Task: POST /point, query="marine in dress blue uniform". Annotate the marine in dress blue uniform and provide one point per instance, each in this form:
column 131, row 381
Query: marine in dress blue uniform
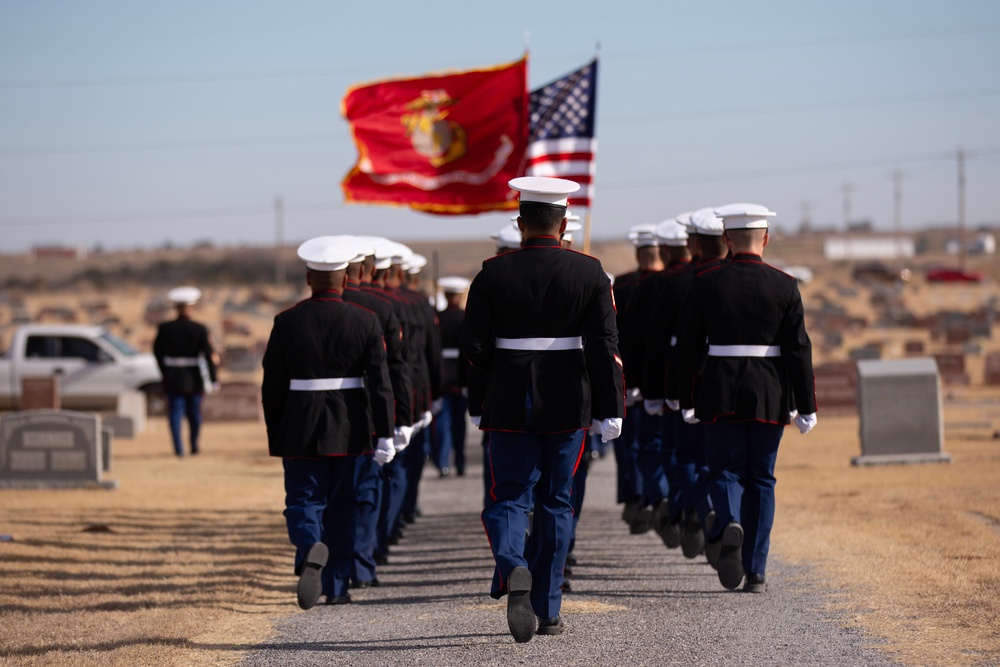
column 449, row 422
column 542, row 343
column 369, row 480
column 744, row 351
column 185, row 356
column 326, row 390
column 626, row 447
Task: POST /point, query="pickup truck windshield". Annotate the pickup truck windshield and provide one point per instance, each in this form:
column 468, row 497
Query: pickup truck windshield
column 120, row 345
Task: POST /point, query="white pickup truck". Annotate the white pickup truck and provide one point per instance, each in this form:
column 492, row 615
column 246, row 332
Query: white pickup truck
column 93, row 366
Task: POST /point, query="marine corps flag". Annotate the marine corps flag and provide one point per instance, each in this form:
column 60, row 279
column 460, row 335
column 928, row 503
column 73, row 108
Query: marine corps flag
column 441, row 144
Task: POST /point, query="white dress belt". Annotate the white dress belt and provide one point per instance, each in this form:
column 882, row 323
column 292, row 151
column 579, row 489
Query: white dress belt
column 180, row 362
column 540, row 344
column 449, row 353
column 326, row 384
column 744, row 351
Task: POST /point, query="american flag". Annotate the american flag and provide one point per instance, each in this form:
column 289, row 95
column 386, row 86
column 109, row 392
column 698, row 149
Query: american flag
column 561, row 139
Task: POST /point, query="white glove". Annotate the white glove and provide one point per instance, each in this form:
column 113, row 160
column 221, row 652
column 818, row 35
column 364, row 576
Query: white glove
column 689, row 417
column 631, row 396
column 805, row 423
column 437, row 406
column 384, row 451
column 653, row 406
column 610, row 428
column 476, row 420
column 401, row 437
column 426, row 419
column 672, row 404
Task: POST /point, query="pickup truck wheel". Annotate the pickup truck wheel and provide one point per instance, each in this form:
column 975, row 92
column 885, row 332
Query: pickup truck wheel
column 156, row 400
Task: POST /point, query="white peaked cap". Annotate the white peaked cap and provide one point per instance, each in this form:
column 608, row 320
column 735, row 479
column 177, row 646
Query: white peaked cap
column 543, row 189
column 643, row 236
column 573, row 227
column 572, row 217
column 366, row 247
column 453, row 284
column 186, row 296
column 744, row 216
column 685, row 220
column 414, row 263
column 508, row 237
column 705, row 222
column 389, row 252
column 328, row 253
column 672, row 233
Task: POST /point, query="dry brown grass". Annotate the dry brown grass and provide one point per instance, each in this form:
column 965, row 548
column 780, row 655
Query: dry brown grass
column 194, row 570
column 911, row 551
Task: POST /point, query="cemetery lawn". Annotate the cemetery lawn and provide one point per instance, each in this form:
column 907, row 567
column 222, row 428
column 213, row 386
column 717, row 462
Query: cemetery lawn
column 188, row 562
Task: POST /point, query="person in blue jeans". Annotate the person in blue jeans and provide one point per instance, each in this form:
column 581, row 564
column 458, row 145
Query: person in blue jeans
column 187, row 365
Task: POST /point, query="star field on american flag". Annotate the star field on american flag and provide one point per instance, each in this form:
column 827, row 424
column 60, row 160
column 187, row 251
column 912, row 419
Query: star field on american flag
column 561, row 139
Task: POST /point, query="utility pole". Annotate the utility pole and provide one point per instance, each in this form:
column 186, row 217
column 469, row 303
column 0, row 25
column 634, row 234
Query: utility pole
column 961, row 209
column 897, row 215
column 279, row 241
column 847, row 219
column 804, row 228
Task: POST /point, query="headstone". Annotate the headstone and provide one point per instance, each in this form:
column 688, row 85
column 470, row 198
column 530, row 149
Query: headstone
column 836, row 388
column 51, row 448
column 233, row 402
column 40, row 393
column 134, row 406
column 107, row 438
column 952, row 369
column 866, row 352
column 991, row 369
column 899, row 402
column 120, row 426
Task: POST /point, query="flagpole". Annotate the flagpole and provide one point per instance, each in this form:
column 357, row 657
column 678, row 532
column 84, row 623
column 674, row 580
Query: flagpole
column 586, row 220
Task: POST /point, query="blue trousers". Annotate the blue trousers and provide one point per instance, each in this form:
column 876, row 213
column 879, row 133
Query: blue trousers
column 626, row 450
column 393, row 493
column 654, row 479
column 692, row 473
column 368, row 483
column 178, row 407
column 741, row 458
column 449, row 431
column 319, row 507
column 413, row 459
column 529, row 469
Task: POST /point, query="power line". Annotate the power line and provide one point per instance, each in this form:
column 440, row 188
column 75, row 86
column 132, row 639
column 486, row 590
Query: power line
column 323, row 207
column 645, row 118
column 750, row 47
column 194, row 145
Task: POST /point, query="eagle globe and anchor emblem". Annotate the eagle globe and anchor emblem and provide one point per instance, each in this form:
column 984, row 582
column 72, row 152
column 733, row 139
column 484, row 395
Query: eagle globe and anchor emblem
column 434, row 136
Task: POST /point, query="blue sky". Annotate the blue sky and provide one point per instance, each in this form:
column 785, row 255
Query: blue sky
column 134, row 124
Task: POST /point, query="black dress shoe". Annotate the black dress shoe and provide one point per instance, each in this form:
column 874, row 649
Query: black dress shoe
column 566, row 587
column 310, row 585
column 755, row 584
column 339, row 599
column 731, row 556
column 520, row 615
column 692, row 536
column 550, row 626
column 642, row 521
column 366, row 583
column 570, row 559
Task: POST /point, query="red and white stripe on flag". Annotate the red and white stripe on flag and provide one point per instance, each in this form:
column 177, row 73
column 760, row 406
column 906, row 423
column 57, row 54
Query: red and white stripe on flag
column 571, row 158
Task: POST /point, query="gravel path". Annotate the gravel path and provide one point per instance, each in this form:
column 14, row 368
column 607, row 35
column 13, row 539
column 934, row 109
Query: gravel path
column 633, row 602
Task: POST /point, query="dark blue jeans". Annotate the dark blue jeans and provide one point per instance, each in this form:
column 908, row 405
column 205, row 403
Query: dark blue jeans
column 178, row 407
